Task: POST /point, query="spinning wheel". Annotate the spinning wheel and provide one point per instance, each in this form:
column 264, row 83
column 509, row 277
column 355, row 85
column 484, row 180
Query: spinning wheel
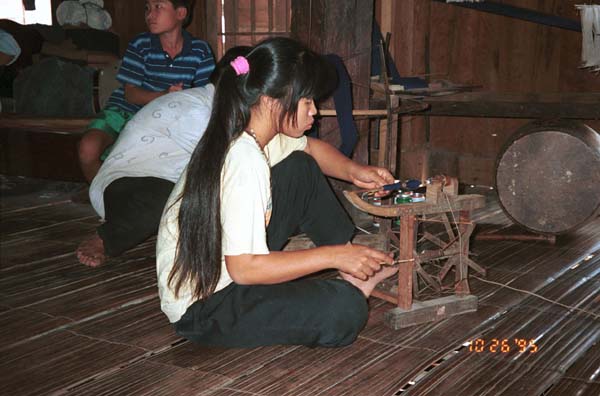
column 451, row 246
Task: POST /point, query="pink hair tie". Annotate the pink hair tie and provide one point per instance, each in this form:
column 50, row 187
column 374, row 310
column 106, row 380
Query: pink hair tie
column 240, row 65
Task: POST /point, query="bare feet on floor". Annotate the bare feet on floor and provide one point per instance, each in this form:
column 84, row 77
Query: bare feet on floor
column 367, row 286
column 91, row 251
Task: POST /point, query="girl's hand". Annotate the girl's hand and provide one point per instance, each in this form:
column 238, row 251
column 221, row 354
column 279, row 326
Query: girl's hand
column 359, row 261
column 366, row 176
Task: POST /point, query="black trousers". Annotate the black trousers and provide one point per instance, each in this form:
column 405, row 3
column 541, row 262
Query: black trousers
column 133, row 207
column 311, row 312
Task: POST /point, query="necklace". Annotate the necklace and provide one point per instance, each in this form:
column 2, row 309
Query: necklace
column 251, row 133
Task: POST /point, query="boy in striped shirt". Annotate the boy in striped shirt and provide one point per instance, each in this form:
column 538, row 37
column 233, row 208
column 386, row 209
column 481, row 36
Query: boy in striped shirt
column 165, row 59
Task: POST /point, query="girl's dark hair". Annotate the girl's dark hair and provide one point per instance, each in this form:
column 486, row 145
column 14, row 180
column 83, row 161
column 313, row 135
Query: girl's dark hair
column 280, row 68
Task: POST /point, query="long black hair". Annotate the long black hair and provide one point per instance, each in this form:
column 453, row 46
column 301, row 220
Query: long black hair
column 280, row 68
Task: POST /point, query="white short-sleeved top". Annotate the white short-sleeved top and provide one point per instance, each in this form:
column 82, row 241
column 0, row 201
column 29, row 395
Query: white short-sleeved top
column 245, row 212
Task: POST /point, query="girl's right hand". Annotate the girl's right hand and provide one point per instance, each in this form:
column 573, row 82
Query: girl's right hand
column 359, row 261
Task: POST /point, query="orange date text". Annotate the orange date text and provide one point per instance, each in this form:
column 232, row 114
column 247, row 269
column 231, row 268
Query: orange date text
column 505, row 345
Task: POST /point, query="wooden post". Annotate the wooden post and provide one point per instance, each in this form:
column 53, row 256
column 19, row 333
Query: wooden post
column 406, row 255
column 387, row 7
column 213, row 26
column 391, row 150
column 462, row 259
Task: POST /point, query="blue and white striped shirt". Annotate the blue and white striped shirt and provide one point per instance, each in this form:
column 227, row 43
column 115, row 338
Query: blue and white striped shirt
column 148, row 66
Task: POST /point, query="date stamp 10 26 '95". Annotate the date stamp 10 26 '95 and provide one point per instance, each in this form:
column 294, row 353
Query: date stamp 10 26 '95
column 497, row 345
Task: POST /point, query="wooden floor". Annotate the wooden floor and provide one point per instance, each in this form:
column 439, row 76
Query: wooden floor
column 68, row 329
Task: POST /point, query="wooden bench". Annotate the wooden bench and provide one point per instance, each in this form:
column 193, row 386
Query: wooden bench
column 41, row 147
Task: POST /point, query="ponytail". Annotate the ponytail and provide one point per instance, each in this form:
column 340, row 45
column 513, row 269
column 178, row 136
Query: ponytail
column 199, row 220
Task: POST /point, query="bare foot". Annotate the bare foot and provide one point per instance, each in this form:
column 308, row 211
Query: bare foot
column 91, row 251
column 368, row 285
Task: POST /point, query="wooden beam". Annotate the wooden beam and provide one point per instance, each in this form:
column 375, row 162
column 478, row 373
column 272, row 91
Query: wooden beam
column 525, row 14
column 460, row 202
column 584, row 106
column 408, row 108
column 371, row 113
column 75, row 126
column 431, row 310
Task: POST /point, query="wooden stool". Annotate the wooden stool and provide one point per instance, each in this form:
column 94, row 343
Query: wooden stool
column 441, row 198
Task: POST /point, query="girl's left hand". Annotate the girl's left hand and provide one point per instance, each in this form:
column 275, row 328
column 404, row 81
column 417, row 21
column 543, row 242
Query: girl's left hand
column 371, row 177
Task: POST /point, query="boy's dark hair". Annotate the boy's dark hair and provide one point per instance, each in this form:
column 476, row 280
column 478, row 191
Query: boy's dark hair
column 188, row 5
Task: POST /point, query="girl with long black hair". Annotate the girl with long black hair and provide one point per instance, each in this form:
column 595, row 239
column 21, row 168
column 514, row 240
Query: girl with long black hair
column 253, row 180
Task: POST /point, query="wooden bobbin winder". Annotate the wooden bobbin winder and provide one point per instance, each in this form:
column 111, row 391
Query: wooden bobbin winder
column 443, row 224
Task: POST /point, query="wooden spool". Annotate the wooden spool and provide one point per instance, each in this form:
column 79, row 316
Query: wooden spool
column 548, row 176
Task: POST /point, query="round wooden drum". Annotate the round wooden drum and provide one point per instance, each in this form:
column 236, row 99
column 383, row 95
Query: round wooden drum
column 548, row 176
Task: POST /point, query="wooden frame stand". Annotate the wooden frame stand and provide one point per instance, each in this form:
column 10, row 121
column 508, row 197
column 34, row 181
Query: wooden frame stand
column 441, row 199
column 430, row 310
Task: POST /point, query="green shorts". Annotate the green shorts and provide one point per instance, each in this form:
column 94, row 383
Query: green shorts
column 111, row 120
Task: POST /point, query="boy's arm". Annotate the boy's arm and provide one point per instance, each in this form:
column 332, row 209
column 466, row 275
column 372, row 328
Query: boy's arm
column 132, row 71
column 141, row 96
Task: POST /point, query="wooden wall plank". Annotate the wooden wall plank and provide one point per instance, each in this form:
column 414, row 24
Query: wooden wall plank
column 342, row 28
column 127, row 19
column 499, row 53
